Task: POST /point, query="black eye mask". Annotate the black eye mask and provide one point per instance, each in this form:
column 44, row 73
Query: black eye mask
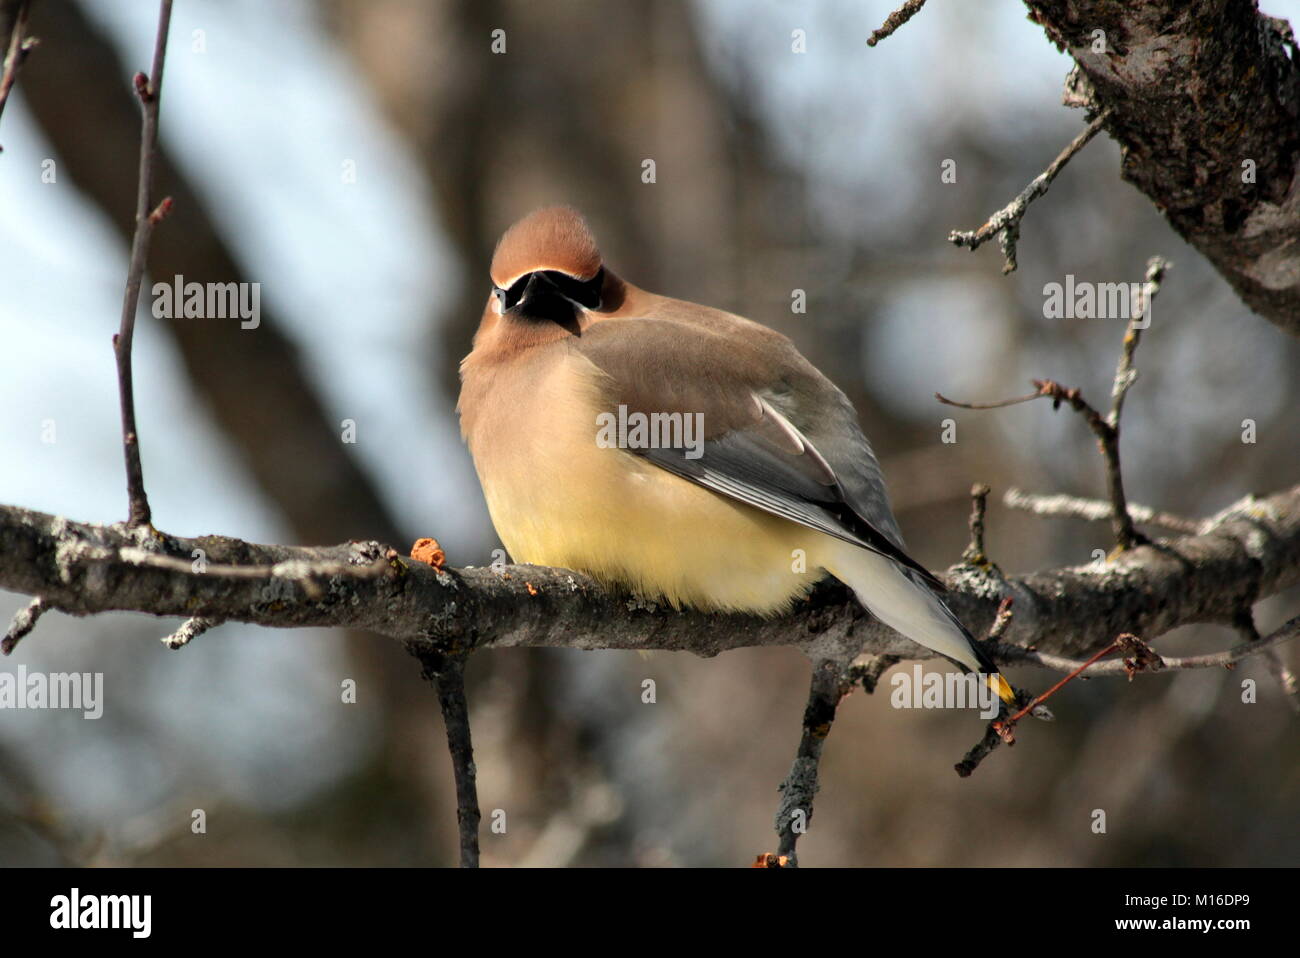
column 586, row 293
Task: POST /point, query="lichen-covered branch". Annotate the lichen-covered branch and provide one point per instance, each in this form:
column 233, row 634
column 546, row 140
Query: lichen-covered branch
column 1005, row 223
column 1250, row 552
column 1095, row 510
column 895, row 20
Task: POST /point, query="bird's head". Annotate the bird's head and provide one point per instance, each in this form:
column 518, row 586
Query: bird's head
column 547, row 266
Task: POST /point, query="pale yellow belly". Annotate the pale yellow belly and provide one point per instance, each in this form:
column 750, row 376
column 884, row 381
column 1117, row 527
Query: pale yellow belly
column 558, row 499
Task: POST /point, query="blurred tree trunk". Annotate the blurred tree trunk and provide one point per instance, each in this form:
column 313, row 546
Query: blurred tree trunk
column 252, row 381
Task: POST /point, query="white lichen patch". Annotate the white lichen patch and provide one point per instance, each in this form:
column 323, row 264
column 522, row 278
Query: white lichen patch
column 71, row 553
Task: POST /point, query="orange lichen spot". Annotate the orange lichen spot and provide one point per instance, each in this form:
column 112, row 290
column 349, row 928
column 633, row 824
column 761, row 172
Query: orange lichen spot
column 532, row 589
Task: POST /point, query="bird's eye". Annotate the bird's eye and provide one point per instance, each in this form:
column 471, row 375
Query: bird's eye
column 509, row 298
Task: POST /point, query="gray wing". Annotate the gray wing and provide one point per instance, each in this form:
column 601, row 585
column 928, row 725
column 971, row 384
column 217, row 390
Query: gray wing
column 772, row 466
column 751, row 450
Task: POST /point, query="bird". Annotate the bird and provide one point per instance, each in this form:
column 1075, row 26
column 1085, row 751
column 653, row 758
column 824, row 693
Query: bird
column 684, row 453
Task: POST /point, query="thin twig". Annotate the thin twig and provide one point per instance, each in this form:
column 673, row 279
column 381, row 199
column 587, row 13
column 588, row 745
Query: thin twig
column 1286, row 678
column 1137, row 657
column 895, row 20
column 16, row 51
column 447, row 673
column 1125, row 374
column 1096, row 510
column 149, row 91
column 1005, row 223
column 1001, row 621
column 999, row 404
column 1126, row 535
column 867, row 670
column 979, row 752
column 974, row 554
column 1224, row 659
column 991, row 739
column 827, row 688
column 191, row 629
column 1140, row 658
column 1105, row 428
column 24, row 621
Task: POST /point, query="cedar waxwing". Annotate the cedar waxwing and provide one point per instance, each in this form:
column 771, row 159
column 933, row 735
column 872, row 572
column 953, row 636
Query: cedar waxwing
column 680, row 451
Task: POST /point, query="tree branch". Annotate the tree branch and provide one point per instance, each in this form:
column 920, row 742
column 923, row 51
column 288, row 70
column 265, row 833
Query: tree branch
column 1105, row 428
column 149, row 91
column 974, row 554
column 1220, row 660
column 1005, row 223
column 1203, row 98
column 14, row 12
column 82, row 569
column 895, row 20
column 1095, row 510
column 447, row 673
column 829, row 684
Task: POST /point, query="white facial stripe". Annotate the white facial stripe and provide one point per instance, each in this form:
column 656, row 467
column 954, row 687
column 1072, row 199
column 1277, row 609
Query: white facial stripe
column 542, row 269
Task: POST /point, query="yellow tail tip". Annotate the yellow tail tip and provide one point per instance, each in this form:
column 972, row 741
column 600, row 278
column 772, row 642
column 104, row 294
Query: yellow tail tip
column 1000, row 685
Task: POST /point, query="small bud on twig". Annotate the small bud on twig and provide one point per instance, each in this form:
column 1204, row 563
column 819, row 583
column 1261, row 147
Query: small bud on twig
column 142, row 89
column 160, row 211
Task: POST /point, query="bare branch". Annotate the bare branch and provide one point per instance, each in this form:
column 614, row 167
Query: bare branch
column 447, row 673
column 1286, row 678
column 1126, row 536
column 895, row 20
column 1005, row 223
column 1139, row 319
column 17, row 49
column 980, row 751
column 998, row 404
column 974, row 554
column 84, row 569
column 149, row 91
column 830, row 683
column 1096, row 510
column 24, row 621
column 1138, row 657
column 1213, row 660
column 191, row 630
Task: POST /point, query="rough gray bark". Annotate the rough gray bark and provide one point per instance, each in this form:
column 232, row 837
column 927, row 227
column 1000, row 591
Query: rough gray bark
column 1199, row 89
column 1249, row 552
